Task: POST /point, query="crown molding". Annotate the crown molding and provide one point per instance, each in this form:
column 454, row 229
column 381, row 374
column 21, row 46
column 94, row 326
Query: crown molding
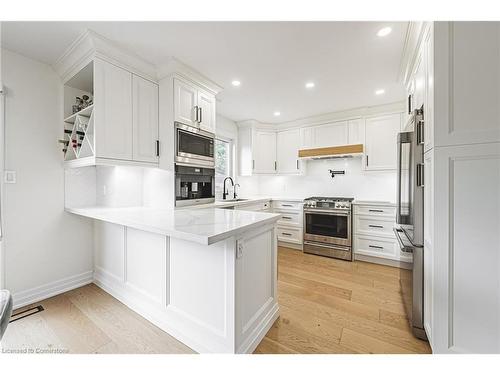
column 90, row 45
column 176, row 67
column 344, row 115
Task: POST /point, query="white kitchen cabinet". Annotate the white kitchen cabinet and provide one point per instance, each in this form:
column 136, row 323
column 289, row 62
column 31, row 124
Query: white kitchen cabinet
column 206, row 104
column 287, row 149
column 356, row 131
column 290, row 224
column 113, row 114
column 145, row 120
column 428, row 242
column 185, row 99
column 326, row 135
column 373, row 238
column 428, row 56
column 264, row 152
column 194, row 106
column 381, row 142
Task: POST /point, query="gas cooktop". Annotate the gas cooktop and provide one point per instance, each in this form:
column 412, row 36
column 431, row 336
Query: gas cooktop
column 328, row 203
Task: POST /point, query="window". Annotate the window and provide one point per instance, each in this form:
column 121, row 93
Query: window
column 223, row 164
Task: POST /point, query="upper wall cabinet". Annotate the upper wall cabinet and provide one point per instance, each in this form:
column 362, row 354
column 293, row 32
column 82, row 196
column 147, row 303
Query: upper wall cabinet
column 194, row 106
column 356, row 131
column 121, row 125
column 264, row 150
column 327, row 135
column 113, row 117
column 381, row 141
column 145, row 120
column 287, row 149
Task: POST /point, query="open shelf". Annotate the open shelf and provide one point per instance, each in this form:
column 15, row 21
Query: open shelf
column 84, row 112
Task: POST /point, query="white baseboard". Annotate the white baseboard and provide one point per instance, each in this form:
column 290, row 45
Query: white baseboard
column 39, row 293
column 290, row 245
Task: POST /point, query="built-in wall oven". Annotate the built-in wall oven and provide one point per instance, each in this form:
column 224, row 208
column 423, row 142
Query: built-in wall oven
column 409, row 229
column 193, row 146
column 194, row 185
column 328, row 227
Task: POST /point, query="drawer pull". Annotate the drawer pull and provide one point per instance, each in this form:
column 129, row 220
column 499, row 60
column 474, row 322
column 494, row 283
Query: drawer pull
column 376, row 210
column 287, row 205
column 286, row 234
column 286, row 217
column 375, row 226
column 375, row 247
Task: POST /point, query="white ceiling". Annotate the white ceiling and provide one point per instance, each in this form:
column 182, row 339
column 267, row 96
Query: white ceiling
column 273, row 60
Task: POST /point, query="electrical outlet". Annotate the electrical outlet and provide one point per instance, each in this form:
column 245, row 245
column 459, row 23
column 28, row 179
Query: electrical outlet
column 9, row 177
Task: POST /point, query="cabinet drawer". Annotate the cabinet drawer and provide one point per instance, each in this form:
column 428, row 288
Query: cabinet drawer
column 373, row 225
column 289, row 218
column 288, row 205
column 376, row 247
column 287, row 234
column 388, row 211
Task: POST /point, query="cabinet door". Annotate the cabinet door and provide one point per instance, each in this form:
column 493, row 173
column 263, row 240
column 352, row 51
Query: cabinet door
column 419, row 82
column 185, row 98
column 113, row 113
column 333, row 134
column 381, row 142
column 145, row 119
column 287, row 148
column 428, row 242
column 429, row 91
column 206, row 103
column 307, row 137
column 245, row 154
column 264, row 152
column 356, row 133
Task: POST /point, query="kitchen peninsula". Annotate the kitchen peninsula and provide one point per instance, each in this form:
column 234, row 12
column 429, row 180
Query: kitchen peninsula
column 207, row 277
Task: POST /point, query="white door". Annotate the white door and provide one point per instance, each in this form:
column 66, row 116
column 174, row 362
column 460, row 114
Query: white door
column 185, row 97
column 206, row 103
column 145, row 120
column 333, row 134
column 381, row 139
column 287, row 148
column 356, row 132
column 264, row 152
column 113, row 111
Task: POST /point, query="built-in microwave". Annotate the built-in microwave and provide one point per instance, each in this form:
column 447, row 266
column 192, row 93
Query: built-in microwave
column 193, row 146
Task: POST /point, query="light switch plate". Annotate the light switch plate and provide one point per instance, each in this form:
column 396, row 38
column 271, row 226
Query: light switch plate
column 9, row 177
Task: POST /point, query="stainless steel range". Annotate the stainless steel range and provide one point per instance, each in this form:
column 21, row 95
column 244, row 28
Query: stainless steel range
column 328, row 227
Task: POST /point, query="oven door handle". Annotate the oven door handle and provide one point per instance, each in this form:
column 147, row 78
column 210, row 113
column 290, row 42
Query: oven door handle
column 404, row 248
column 328, row 212
column 327, row 246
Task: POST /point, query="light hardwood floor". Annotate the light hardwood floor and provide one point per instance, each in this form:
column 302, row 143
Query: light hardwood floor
column 326, row 306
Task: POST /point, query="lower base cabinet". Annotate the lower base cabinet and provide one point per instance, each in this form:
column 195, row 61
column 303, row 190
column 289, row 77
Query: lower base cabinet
column 219, row 298
column 290, row 224
column 374, row 239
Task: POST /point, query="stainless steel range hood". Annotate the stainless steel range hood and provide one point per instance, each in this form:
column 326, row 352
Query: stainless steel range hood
column 334, row 152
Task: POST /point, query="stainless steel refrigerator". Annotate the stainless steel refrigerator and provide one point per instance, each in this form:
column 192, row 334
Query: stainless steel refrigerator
column 410, row 219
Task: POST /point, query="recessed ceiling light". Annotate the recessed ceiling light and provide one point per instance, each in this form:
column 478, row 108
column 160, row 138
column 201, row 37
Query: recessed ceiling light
column 380, row 92
column 384, row 31
column 277, row 113
column 310, row 85
column 236, row 83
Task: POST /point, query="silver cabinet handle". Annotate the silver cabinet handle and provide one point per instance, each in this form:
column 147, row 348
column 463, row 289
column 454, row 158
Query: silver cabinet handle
column 195, row 113
column 201, row 114
column 286, row 234
column 420, row 175
column 297, row 164
column 253, row 164
column 286, row 217
column 375, row 247
column 367, row 160
column 376, row 210
column 286, row 205
column 157, row 147
column 275, row 165
column 375, row 226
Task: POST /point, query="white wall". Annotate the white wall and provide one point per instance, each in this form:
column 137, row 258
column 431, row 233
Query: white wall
column 43, row 244
column 356, row 183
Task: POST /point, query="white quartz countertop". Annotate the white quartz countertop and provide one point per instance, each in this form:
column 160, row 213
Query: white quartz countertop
column 374, row 203
column 242, row 202
column 201, row 226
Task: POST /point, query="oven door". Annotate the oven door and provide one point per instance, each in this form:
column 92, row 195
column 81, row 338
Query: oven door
column 194, row 146
column 327, row 226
